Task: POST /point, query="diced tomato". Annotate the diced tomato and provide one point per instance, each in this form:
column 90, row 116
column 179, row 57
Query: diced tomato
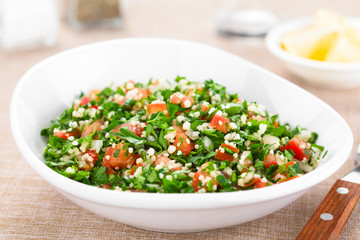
column 156, row 82
column 61, row 134
column 300, row 148
column 253, row 181
column 137, row 129
column 270, row 160
column 84, row 100
column 156, row 107
column 142, row 94
column 190, row 91
column 122, row 160
column 176, row 98
column 182, row 142
column 122, row 101
column 259, row 184
column 92, row 153
column 133, row 168
column 66, row 135
column 89, row 129
column 196, row 181
column 234, row 149
column 137, row 94
column 92, row 94
column 204, row 108
column 161, row 158
column 175, row 169
column 186, row 100
column 220, row 123
column 110, row 171
column 95, row 107
column 222, row 156
column 287, row 179
column 90, row 156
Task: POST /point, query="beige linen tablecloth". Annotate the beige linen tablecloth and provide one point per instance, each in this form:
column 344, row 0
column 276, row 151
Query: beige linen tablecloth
column 31, row 208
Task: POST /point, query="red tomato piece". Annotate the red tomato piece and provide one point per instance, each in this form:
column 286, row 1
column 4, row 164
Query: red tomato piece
column 156, row 82
column 161, row 158
column 182, row 142
column 276, row 124
column 122, row 157
column 222, row 156
column 84, row 100
column 220, row 123
column 65, row 135
column 270, row 160
column 156, row 107
column 176, row 98
column 204, row 108
column 92, row 153
column 92, row 94
column 260, row 184
column 110, row 171
column 122, row 101
column 234, row 149
column 89, row 129
column 187, row 101
column 61, row 134
column 300, row 148
column 133, row 168
column 252, row 182
column 175, row 169
column 137, row 94
column 197, row 181
column 137, row 129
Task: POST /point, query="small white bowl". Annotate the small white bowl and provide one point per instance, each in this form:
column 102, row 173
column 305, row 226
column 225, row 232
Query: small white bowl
column 55, row 82
column 327, row 74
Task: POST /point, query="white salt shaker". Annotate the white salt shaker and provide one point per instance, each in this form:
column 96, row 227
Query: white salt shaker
column 28, row 24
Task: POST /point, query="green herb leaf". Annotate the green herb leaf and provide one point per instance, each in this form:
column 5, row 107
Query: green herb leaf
column 99, row 175
column 270, row 172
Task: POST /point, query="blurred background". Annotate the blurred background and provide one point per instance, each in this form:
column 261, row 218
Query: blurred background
column 35, row 29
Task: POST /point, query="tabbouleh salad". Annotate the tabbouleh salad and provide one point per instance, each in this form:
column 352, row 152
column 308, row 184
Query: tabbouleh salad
column 181, row 138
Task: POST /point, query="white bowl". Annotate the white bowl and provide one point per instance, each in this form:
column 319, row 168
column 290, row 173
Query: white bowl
column 328, row 74
column 55, row 81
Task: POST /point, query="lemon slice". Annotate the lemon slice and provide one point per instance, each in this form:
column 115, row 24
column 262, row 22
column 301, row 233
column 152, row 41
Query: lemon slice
column 329, row 39
column 311, row 42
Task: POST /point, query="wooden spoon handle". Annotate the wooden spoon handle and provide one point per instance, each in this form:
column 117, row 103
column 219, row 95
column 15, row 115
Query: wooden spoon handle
column 330, row 217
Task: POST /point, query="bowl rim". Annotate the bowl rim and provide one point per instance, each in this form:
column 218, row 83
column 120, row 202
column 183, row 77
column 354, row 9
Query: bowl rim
column 170, row 201
column 273, row 38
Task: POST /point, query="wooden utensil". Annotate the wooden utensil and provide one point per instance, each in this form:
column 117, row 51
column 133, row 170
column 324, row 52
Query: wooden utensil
column 330, row 217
